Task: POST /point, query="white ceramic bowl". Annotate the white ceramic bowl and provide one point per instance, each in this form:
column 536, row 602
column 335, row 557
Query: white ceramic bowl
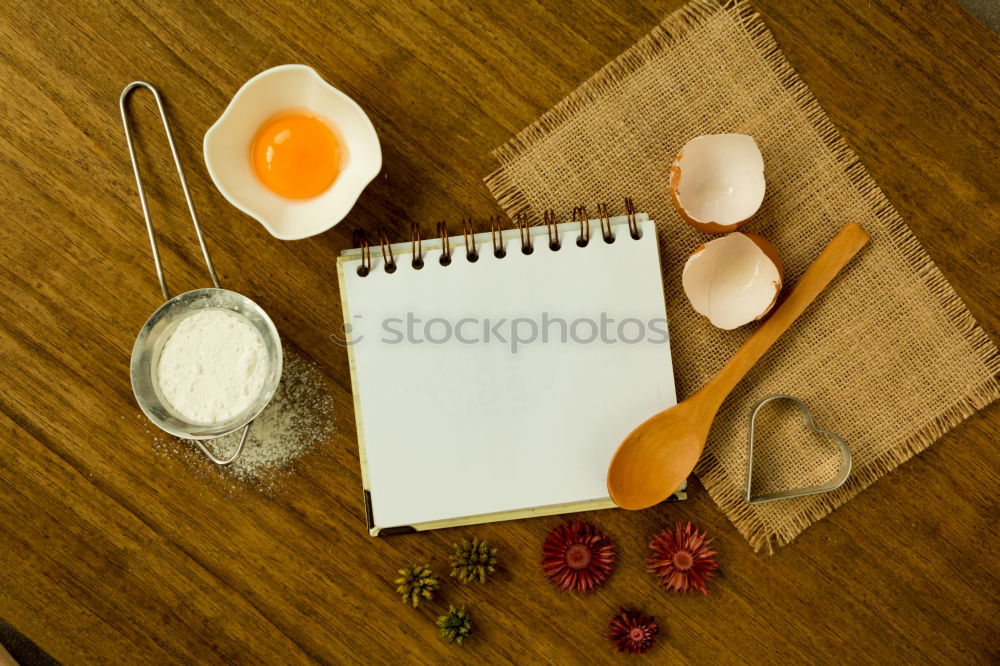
column 270, row 93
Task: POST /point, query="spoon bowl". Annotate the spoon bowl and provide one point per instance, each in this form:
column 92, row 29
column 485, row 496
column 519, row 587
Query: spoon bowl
column 682, row 430
column 659, row 455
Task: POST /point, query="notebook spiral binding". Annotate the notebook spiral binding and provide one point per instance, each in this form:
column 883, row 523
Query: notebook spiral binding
column 521, row 223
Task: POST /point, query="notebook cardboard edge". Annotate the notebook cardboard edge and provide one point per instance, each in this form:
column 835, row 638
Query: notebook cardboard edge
column 517, row 514
column 362, row 458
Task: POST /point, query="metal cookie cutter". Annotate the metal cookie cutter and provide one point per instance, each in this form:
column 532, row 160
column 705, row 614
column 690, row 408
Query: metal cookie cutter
column 836, row 482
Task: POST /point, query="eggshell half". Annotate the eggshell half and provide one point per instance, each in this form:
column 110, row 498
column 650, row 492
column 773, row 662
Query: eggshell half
column 717, row 181
column 733, row 280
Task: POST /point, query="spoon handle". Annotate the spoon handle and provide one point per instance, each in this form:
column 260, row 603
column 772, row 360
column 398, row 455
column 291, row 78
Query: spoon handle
column 848, row 241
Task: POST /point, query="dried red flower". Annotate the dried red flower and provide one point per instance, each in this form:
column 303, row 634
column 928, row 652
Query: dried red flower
column 682, row 559
column 632, row 632
column 577, row 556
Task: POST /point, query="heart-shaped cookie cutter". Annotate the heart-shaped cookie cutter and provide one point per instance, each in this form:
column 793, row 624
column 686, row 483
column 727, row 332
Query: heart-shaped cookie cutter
column 838, row 480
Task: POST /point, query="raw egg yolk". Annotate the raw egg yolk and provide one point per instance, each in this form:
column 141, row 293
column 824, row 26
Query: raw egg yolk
column 296, row 156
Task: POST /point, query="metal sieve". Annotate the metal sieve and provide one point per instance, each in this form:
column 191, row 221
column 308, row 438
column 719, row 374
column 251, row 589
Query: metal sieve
column 159, row 326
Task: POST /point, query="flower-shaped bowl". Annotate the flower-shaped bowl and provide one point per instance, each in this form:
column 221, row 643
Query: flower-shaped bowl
column 290, row 89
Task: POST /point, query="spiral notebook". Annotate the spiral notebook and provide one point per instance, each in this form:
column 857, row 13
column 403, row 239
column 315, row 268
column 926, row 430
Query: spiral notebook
column 495, row 373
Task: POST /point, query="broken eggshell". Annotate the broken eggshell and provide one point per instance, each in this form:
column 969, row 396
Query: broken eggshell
column 733, row 280
column 717, row 181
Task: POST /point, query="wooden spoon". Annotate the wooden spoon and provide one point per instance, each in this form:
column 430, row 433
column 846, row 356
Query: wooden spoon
column 656, row 458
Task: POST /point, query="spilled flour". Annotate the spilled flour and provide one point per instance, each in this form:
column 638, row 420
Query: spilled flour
column 298, row 418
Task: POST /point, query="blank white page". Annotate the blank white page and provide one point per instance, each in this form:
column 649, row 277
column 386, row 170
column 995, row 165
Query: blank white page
column 455, row 419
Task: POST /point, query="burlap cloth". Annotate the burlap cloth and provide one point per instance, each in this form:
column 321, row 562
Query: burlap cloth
column 888, row 356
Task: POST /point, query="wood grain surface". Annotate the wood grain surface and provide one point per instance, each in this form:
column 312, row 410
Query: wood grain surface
column 114, row 553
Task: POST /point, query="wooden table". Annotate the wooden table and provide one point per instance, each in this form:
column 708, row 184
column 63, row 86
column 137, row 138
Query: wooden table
column 112, row 552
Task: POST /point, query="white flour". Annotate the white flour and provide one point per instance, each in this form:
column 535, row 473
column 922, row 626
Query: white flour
column 212, row 366
column 299, row 417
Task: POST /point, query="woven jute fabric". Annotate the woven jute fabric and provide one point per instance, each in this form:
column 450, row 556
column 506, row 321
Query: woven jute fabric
column 888, row 356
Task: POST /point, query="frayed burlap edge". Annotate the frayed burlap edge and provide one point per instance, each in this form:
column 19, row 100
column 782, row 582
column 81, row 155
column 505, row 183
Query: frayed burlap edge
column 507, row 193
column 726, row 492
